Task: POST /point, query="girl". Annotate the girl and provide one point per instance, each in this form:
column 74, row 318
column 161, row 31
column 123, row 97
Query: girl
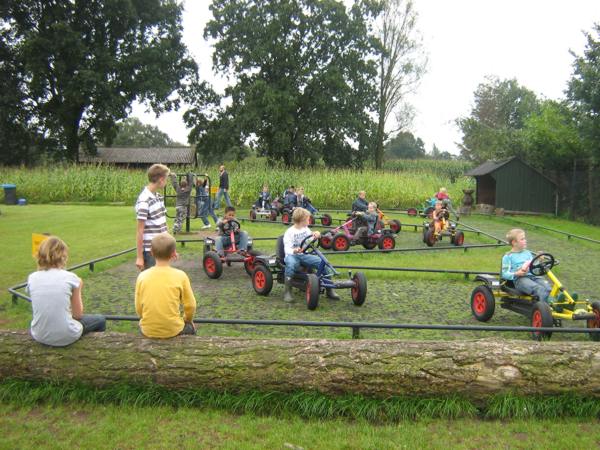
column 58, row 318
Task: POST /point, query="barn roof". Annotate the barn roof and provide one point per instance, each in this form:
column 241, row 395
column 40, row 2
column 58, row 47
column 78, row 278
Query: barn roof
column 137, row 155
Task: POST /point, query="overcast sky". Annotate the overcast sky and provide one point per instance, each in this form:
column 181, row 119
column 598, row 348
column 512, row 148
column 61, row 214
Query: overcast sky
column 465, row 40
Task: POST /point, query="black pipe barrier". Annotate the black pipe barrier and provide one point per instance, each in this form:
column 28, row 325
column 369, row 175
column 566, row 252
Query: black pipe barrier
column 569, row 235
column 416, row 249
column 478, row 231
column 466, row 273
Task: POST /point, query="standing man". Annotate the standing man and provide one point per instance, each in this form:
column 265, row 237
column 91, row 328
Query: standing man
column 151, row 215
column 223, row 187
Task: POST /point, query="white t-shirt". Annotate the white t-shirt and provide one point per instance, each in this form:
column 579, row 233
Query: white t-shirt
column 50, row 291
column 293, row 237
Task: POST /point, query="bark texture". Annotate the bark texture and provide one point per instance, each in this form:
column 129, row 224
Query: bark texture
column 380, row 368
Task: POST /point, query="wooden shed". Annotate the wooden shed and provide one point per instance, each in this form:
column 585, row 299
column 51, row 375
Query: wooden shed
column 142, row 156
column 514, row 186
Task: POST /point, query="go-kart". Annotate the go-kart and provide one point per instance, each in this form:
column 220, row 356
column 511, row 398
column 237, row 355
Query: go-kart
column 448, row 228
column 286, row 217
column 212, row 262
column 347, row 234
column 313, row 283
column 263, row 211
column 541, row 314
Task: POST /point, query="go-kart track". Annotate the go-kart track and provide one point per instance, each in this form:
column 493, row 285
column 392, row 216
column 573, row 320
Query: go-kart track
column 402, row 291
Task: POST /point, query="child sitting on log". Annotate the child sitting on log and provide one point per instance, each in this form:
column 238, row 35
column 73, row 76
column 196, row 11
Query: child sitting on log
column 56, row 299
column 159, row 292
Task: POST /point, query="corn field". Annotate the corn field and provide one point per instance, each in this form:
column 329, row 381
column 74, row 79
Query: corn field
column 405, row 184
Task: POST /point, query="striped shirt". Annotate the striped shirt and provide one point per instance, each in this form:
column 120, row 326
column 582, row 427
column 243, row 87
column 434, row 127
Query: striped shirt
column 150, row 208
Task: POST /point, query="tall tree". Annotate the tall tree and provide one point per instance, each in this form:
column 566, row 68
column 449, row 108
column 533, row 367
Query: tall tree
column 302, row 76
column 86, row 61
column 492, row 131
column 401, row 65
column 405, row 145
column 133, row 133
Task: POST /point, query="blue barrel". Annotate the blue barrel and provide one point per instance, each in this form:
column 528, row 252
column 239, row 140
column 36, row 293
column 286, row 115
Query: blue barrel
column 10, row 194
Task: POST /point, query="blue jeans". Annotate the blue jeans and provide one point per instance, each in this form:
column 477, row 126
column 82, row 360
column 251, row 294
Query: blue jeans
column 310, row 208
column 293, row 262
column 534, row 286
column 203, row 209
column 222, row 193
column 241, row 242
column 149, row 260
column 92, row 322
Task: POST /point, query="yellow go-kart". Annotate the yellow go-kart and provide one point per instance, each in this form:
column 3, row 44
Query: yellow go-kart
column 447, row 228
column 541, row 314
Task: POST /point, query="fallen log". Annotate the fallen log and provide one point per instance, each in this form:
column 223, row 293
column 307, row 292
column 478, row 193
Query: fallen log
column 474, row 369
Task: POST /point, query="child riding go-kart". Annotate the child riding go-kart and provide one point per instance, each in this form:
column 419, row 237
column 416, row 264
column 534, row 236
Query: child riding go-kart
column 440, row 226
column 541, row 314
column 212, row 262
column 313, row 284
column 263, row 211
column 355, row 231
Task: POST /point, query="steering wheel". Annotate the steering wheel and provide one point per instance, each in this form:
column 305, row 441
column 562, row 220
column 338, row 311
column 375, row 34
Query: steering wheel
column 309, row 243
column 231, row 225
column 541, row 264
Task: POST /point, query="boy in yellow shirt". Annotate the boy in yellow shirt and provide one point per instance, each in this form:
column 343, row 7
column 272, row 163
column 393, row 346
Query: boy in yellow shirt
column 159, row 292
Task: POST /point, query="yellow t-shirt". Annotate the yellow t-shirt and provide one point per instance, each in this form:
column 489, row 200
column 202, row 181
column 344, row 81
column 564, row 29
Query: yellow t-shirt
column 159, row 291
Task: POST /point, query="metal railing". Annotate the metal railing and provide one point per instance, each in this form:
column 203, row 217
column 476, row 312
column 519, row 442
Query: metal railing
column 541, row 227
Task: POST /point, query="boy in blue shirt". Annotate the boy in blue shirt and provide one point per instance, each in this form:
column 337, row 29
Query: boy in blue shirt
column 515, row 267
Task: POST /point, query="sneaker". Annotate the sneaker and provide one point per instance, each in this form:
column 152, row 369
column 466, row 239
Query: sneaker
column 204, row 227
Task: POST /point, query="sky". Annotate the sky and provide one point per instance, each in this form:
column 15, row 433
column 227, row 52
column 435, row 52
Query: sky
column 465, row 41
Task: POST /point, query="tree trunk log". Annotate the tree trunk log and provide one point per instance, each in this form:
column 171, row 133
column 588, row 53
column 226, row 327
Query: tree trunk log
column 378, row 368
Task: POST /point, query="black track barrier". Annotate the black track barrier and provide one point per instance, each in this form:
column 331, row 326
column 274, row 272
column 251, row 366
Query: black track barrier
column 541, row 227
column 466, row 273
column 413, row 249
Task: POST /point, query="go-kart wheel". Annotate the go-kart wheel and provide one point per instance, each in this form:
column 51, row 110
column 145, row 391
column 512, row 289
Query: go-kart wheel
column 541, row 316
column 359, row 290
column 273, row 215
column 458, row 239
column 325, row 241
column 541, row 264
column 262, row 280
column 369, row 244
column 412, row 212
column 312, row 291
column 285, row 217
column 386, row 242
column 595, row 323
column 326, row 220
column 340, row 242
column 395, row 226
column 213, row 267
column 252, row 215
column 483, row 303
column 311, row 220
column 430, row 237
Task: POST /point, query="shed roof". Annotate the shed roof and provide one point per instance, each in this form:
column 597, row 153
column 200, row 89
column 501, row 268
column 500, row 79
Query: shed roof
column 147, row 155
column 486, row 167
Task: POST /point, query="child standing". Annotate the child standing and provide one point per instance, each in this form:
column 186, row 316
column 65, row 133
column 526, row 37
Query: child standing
column 203, row 205
column 161, row 290
column 515, row 267
column 224, row 239
column 182, row 202
column 56, row 300
column 294, row 257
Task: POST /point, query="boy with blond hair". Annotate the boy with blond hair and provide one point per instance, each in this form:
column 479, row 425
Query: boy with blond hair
column 294, row 258
column 151, row 215
column 161, row 290
column 515, row 267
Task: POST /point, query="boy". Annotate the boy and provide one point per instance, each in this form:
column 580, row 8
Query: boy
column 224, row 239
column 304, row 202
column 264, row 198
column 151, row 215
column 515, row 267
column 290, row 199
column 371, row 217
column 184, row 190
column 159, row 292
column 294, row 257
column 438, row 215
column 360, row 204
column 223, row 188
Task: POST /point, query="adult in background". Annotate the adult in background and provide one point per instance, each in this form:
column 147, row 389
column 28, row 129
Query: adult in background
column 223, row 188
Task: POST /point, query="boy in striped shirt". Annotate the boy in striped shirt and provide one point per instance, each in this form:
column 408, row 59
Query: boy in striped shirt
column 151, row 215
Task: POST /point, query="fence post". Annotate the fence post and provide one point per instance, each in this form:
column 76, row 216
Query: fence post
column 91, row 267
column 355, row 332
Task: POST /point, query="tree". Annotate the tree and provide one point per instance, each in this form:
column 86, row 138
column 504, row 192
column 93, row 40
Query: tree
column 133, row 133
column 401, row 65
column 302, row 87
column 85, row 62
column 492, row 131
column 436, row 153
column 405, row 145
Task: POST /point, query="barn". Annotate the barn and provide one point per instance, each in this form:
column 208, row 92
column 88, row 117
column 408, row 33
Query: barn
column 142, row 156
column 515, row 186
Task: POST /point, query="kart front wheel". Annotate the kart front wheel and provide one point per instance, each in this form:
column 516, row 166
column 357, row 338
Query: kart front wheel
column 458, row 239
column 359, row 290
column 483, row 303
column 252, row 215
column 395, row 226
column 541, row 316
column 412, row 212
column 326, row 220
column 386, row 242
column 285, row 218
column 312, row 291
column 250, row 263
column 213, row 267
column 430, row 238
column 595, row 323
column 326, row 241
column 341, row 243
column 273, row 215
column 262, row 280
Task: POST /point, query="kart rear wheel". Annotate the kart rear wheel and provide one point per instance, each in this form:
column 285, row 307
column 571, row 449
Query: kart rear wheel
column 213, row 267
column 273, row 215
column 483, row 303
column 312, row 291
column 311, row 220
column 252, row 215
column 595, row 323
column 458, row 239
column 541, row 316
column 386, row 242
column 340, row 242
column 359, row 290
column 395, row 226
column 262, row 280
column 326, row 241
column 430, row 238
column 326, row 220
column 285, row 217
column 412, row 212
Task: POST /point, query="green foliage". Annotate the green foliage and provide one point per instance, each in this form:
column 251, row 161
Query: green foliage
column 133, row 133
column 84, row 63
column 405, row 145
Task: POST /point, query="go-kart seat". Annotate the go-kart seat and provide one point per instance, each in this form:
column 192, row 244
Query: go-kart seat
column 508, row 286
column 280, row 251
